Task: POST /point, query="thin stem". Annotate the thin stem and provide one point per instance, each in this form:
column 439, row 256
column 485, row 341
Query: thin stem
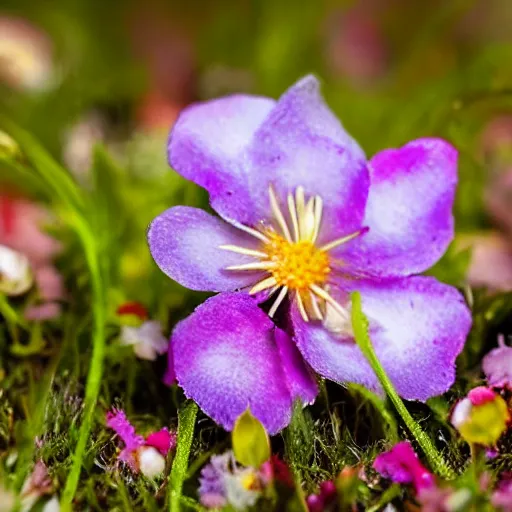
column 360, row 326
column 60, row 184
column 186, row 422
column 94, row 376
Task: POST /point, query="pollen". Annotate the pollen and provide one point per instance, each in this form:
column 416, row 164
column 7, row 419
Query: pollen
column 298, row 264
column 288, row 257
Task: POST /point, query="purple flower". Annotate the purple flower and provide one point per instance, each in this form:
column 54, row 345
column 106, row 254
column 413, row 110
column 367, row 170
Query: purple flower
column 497, row 366
column 305, row 220
column 223, row 482
column 402, row 466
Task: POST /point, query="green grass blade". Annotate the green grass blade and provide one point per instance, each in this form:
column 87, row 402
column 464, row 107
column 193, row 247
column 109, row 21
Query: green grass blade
column 60, row 186
column 360, row 326
column 186, row 423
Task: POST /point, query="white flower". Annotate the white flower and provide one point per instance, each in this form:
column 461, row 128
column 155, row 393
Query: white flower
column 26, row 60
column 151, row 461
column 79, row 143
column 239, row 488
column 52, row 505
column 147, row 340
column 15, row 273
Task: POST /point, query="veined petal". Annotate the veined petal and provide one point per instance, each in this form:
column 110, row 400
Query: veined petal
column 418, row 326
column 185, row 243
column 409, row 210
column 226, row 359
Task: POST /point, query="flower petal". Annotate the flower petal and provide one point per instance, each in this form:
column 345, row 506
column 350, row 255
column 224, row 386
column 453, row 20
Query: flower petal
column 302, row 143
column 497, row 366
column 303, row 107
column 409, row 210
column 236, row 147
column 402, row 465
column 207, row 145
column 184, row 243
column 417, row 325
column 301, row 382
column 226, row 359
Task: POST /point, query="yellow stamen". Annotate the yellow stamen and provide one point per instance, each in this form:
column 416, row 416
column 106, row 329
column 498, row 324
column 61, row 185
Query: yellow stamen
column 320, row 292
column 278, row 214
column 299, row 264
column 263, row 265
column 293, row 216
column 300, row 305
column 277, row 302
column 294, row 264
column 340, row 241
column 269, row 282
column 243, row 250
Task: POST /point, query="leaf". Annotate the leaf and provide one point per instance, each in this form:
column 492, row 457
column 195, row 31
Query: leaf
column 250, row 440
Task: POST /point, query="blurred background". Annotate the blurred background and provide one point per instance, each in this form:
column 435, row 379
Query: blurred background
column 100, row 84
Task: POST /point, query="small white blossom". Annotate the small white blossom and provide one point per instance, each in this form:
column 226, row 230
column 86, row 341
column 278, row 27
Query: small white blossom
column 15, row 273
column 147, row 340
column 151, row 461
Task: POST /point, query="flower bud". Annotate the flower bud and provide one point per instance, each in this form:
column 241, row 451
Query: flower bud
column 481, row 417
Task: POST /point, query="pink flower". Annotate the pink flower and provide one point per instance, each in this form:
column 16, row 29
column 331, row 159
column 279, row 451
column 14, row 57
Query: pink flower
column 144, row 455
column 491, row 261
column 41, row 312
column 146, row 337
column 401, row 465
column 163, row 441
column 356, row 47
column 497, row 366
column 327, row 495
column 21, row 229
column 502, row 496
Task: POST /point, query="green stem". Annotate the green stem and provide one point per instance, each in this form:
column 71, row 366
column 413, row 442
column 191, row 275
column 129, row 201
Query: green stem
column 94, row 376
column 61, row 185
column 186, row 422
column 360, row 326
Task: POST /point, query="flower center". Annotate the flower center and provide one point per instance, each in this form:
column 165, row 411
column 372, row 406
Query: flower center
column 291, row 258
column 298, row 264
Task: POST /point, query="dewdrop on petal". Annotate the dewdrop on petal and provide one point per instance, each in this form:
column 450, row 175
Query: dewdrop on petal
column 481, row 417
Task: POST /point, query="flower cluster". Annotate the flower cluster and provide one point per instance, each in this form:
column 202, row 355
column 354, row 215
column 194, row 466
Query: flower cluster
column 305, row 219
column 146, row 455
column 402, row 466
column 224, row 482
